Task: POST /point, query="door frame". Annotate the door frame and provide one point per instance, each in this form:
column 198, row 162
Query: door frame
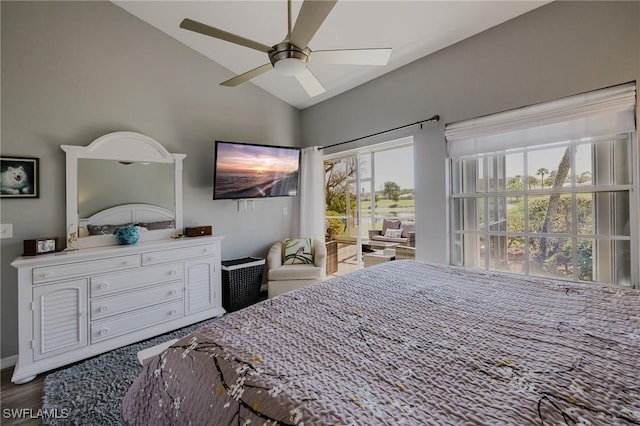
column 357, row 153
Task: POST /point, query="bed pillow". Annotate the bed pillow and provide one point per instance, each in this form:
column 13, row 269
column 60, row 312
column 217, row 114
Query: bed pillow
column 393, row 233
column 151, row 226
column 297, row 251
column 105, row 229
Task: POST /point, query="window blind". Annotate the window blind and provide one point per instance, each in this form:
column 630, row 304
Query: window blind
column 597, row 113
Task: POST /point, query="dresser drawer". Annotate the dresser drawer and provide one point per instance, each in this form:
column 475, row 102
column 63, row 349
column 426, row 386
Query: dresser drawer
column 106, row 329
column 107, row 284
column 129, row 301
column 52, row 273
column 153, row 257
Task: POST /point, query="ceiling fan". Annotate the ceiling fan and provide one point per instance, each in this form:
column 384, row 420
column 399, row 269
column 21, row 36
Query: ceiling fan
column 290, row 56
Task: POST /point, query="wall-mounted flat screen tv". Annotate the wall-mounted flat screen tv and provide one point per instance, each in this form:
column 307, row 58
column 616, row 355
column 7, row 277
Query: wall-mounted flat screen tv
column 244, row 170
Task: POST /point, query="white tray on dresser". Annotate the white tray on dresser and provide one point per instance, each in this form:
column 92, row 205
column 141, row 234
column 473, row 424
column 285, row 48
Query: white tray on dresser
column 77, row 304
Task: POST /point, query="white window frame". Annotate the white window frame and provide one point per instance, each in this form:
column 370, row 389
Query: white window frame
column 609, row 111
column 486, row 196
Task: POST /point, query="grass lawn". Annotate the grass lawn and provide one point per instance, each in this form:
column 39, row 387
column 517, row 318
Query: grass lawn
column 381, row 204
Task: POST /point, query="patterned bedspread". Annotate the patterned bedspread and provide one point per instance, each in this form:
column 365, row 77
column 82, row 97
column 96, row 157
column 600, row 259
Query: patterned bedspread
column 407, row 343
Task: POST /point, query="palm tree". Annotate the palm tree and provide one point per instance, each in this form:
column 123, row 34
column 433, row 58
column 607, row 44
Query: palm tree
column 554, row 202
column 541, row 172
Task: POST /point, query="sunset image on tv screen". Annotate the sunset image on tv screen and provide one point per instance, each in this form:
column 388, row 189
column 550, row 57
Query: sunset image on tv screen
column 251, row 171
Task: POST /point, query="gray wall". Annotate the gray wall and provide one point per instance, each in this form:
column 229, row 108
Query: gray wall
column 73, row 71
column 557, row 50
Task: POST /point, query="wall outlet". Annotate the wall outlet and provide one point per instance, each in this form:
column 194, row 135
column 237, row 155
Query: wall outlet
column 285, row 211
column 6, row 230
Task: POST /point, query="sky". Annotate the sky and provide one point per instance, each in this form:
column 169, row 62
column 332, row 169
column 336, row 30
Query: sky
column 395, row 165
column 549, row 159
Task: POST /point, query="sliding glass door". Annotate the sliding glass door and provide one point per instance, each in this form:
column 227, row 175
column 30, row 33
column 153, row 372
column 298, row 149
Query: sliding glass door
column 341, row 209
column 363, row 187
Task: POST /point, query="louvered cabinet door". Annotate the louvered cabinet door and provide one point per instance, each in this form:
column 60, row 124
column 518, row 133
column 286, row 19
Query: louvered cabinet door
column 59, row 318
column 200, row 284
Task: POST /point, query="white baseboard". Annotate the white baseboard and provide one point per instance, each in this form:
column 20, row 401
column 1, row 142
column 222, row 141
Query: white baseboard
column 8, row 362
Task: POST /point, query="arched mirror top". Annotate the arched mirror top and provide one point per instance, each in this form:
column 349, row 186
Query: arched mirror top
column 119, row 179
column 123, row 146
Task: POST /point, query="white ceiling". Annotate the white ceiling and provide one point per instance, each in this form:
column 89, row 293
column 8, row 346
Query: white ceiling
column 413, row 29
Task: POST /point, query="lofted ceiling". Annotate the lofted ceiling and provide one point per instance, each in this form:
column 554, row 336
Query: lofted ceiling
column 413, row 29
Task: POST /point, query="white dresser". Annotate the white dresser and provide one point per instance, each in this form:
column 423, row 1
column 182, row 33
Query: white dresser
column 77, row 304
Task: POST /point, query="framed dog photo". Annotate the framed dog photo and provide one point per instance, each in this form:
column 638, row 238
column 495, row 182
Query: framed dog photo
column 19, row 177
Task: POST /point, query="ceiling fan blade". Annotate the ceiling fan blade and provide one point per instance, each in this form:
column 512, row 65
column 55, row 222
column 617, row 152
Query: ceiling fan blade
column 198, row 27
column 351, row 56
column 239, row 79
column 312, row 15
column 310, row 83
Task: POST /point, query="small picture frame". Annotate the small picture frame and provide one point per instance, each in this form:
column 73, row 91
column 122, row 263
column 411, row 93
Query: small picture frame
column 19, row 177
column 39, row 246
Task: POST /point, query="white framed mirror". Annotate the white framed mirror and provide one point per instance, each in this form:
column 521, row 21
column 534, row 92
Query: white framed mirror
column 121, row 179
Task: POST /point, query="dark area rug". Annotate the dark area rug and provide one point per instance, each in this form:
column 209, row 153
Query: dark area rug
column 92, row 390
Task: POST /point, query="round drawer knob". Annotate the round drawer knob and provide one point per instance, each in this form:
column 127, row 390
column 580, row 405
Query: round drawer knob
column 173, row 312
column 104, row 285
column 104, row 331
column 104, row 308
column 173, row 272
column 173, row 292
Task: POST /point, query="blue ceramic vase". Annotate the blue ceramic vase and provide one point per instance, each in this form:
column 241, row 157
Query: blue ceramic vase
column 128, row 235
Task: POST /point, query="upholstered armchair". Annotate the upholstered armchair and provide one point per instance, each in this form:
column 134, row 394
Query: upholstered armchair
column 284, row 275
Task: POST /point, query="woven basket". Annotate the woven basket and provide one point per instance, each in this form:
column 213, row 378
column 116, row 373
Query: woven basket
column 241, row 281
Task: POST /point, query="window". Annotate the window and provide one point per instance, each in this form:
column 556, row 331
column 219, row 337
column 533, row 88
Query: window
column 556, row 208
column 362, row 187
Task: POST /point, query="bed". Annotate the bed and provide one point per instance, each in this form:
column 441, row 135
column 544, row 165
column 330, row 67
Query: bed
column 406, row 342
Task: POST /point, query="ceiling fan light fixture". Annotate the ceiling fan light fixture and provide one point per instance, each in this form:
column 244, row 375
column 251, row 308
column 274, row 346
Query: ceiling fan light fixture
column 290, row 66
column 288, row 59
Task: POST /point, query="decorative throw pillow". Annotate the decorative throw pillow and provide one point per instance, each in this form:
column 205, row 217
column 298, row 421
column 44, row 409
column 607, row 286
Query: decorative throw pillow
column 390, row 224
column 393, row 233
column 104, row 229
column 297, row 250
column 151, row 226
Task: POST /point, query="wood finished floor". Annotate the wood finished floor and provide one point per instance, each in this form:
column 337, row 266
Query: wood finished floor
column 12, row 396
